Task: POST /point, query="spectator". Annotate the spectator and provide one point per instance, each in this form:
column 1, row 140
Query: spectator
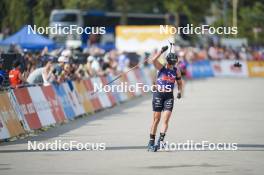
column 47, row 74
column 57, row 71
column 66, row 53
column 31, row 64
column 13, row 48
column 93, row 66
column 71, row 67
column 15, row 76
column 212, row 52
column 109, row 64
column 123, row 62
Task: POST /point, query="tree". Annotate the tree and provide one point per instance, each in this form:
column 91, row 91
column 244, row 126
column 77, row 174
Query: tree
column 194, row 10
column 251, row 18
column 16, row 14
column 84, row 4
column 43, row 9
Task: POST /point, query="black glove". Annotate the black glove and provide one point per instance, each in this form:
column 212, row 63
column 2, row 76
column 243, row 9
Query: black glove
column 179, row 95
column 164, row 48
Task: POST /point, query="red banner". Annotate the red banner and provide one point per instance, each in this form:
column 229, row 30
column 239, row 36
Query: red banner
column 54, row 103
column 27, row 108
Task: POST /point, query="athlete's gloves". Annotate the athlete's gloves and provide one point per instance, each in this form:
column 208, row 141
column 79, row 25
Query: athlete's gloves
column 164, row 48
column 179, row 95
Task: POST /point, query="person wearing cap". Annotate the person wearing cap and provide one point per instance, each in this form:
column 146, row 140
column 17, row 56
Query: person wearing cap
column 57, row 71
column 93, row 66
column 163, row 98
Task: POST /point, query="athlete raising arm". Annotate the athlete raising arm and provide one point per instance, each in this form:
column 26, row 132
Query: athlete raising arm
column 163, row 98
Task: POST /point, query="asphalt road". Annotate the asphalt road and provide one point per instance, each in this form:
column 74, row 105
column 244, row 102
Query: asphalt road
column 214, row 110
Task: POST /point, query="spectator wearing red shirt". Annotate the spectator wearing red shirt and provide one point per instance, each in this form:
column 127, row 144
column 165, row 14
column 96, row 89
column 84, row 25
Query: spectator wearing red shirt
column 15, row 76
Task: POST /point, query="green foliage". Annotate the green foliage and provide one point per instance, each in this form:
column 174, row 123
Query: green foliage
column 84, row 4
column 16, row 14
column 42, row 12
column 195, row 10
column 249, row 18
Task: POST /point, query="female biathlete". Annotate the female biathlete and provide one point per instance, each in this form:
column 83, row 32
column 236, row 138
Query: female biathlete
column 163, row 98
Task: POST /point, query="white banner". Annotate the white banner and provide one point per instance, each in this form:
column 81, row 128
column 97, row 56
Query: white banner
column 226, row 68
column 41, row 105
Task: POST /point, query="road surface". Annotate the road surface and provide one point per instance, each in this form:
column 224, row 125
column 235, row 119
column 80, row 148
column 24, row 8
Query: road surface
column 214, row 110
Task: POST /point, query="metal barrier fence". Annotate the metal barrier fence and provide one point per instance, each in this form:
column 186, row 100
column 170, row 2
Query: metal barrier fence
column 29, row 108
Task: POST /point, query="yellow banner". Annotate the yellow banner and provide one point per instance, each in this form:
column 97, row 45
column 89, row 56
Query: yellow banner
column 84, row 96
column 142, row 38
column 256, row 68
column 7, row 113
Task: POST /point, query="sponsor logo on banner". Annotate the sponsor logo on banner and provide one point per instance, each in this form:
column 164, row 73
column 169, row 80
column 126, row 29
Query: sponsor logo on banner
column 256, row 68
column 64, row 101
column 200, row 69
column 229, row 70
column 141, row 38
column 73, row 98
column 217, row 68
column 41, row 105
column 27, row 108
column 54, row 103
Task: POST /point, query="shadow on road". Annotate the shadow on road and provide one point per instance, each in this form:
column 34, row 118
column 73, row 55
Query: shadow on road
column 241, row 147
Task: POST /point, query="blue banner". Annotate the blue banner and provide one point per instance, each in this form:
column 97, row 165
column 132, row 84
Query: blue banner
column 200, row 69
column 67, row 108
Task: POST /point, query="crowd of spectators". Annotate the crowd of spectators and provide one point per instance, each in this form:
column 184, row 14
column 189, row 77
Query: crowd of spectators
column 61, row 65
column 216, row 52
